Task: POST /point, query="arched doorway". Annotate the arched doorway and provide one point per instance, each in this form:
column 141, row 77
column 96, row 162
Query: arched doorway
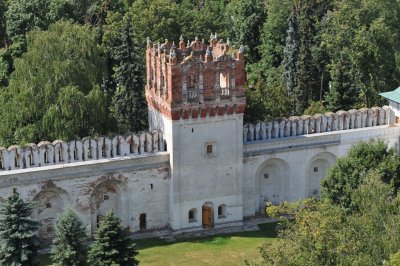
column 273, row 182
column 47, row 204
column 317, row 170
column 207, row 215
column 104, row 198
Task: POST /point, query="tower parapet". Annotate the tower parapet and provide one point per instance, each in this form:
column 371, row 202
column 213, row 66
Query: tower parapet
column 194, row 79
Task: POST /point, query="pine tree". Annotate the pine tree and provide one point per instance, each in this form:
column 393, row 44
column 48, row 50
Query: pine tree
column 112, row 245
column 291, row 57
column 128, row 104
column 68, row 246
column 18, row 244
column 342, row 94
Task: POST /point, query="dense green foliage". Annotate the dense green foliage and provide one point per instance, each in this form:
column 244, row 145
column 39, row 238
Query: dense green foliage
column 128, row 105
column 68, row 247
column 356, row 220
column 326, row 234
column 362, row 159
column 339, row 54
column 18, row 244
column 52, row 92
column 112, row 245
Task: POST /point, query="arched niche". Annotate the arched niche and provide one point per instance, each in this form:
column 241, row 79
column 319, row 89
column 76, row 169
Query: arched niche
column 47, row 205
column 272, row 183
column 107, row 196
column 316, row 171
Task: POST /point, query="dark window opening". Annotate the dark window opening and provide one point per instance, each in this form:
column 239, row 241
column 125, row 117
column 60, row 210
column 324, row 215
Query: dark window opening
column 266, row 175
column 142, row 221
column 151, row 186
column 222, row 211
column 315, row 169
column 105, row 197
column 209, row 149
column 48, row 205
column 192, row 216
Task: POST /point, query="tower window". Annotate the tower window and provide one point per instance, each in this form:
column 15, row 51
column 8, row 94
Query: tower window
column 210, row 150
column 266, row 175
column 192, row 215
column 315, row 169
column 222, row 211
column 48, row 205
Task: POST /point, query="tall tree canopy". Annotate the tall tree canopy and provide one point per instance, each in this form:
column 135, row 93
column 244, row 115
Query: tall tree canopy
column 348, row 172
column 128, row 106
column 54, row 80
column 326, row 234
column 363, row 36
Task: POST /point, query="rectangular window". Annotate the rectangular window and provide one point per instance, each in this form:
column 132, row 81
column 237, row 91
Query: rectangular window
column 210, row 149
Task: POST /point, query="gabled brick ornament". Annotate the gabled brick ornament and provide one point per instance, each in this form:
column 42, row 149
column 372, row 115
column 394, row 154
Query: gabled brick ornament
column 196, row 79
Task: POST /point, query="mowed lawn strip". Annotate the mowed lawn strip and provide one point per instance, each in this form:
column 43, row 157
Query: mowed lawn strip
column 230, row 249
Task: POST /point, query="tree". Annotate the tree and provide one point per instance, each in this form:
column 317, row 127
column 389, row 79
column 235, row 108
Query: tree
column 40, row 89
column 290, row 62
column 273, row 39
column 364, row 33
column 347, row 172
column 248, row 17
column 129, row 106
column 267, row 97
column 325, row 234
column 68, row 247
column 18, row 245
column 112, row 245
column 23, row 16
column 342, row 93
column 3, row 36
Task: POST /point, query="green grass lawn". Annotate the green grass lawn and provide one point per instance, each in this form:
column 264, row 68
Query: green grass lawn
column 231, row 249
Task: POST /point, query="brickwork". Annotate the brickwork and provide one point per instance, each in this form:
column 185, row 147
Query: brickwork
column 195, row 80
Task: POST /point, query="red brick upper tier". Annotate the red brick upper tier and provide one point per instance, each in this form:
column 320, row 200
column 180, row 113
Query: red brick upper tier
column 195, row 79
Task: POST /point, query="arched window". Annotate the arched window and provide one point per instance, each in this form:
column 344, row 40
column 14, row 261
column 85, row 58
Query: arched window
column 222, row 211
column 192, row 215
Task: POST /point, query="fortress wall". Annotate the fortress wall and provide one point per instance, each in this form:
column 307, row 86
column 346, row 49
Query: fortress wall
column 305, row 125
column 129, row 186
column 87, row 149
column 289, row 169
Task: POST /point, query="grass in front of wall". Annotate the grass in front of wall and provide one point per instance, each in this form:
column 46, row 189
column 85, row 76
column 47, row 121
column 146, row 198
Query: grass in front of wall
column 230, row 249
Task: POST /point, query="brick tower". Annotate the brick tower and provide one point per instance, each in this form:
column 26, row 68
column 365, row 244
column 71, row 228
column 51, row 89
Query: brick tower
column 195, row 96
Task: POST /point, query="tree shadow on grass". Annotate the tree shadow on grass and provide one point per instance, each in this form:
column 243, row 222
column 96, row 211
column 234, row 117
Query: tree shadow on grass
column 267, row 230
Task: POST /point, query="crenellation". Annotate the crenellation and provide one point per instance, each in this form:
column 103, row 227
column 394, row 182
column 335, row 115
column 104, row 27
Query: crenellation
column 197, row 76
column 87, row 149
column 319, row 123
